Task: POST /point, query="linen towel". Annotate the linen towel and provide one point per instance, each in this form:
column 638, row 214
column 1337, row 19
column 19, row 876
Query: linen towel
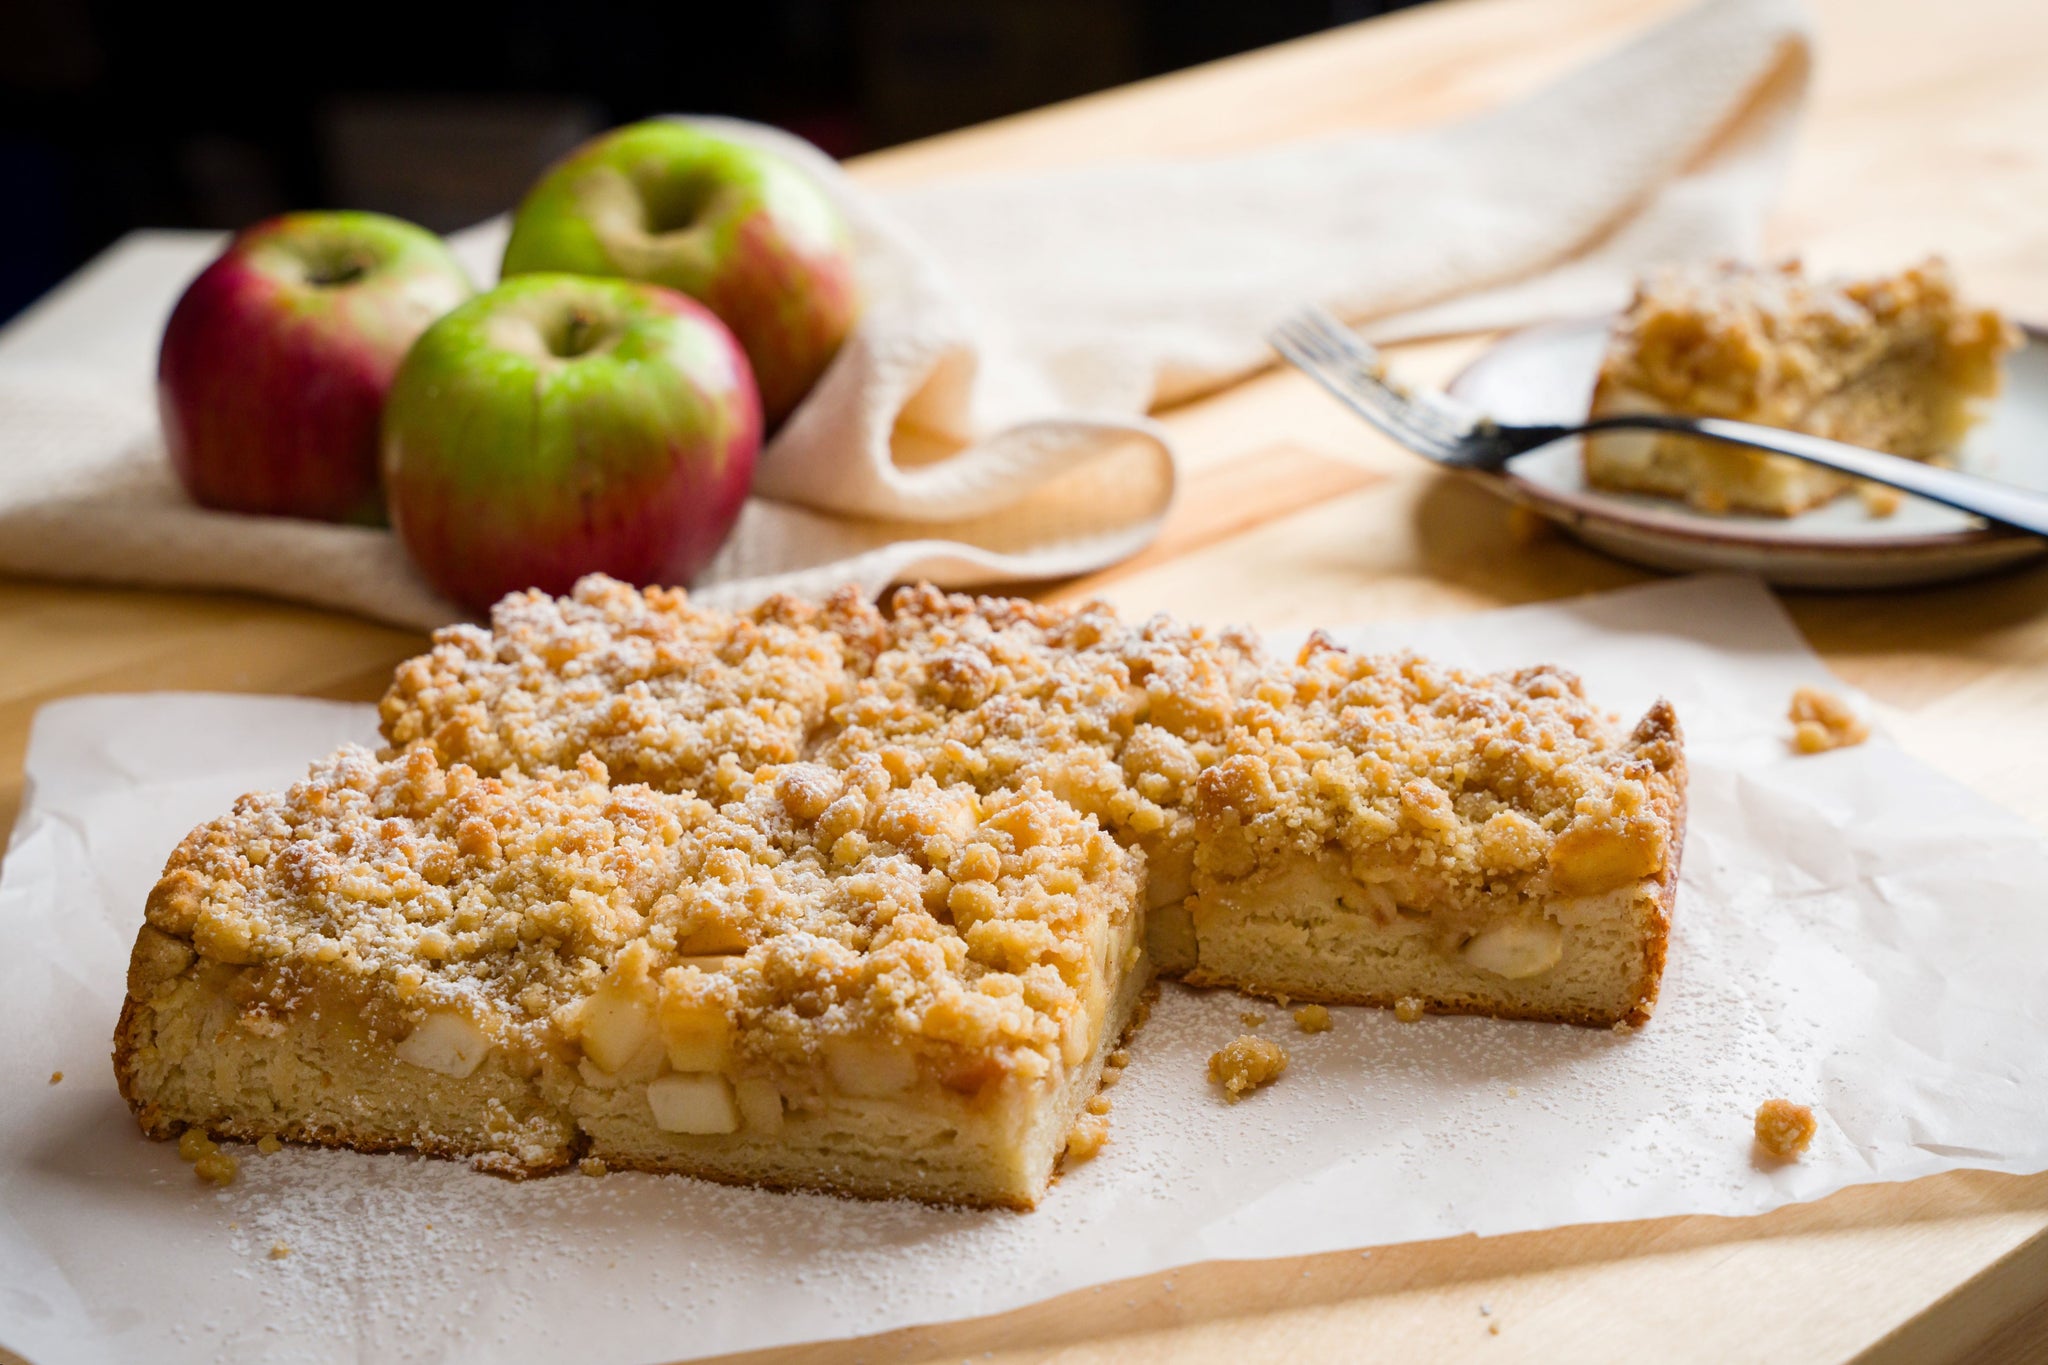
column 987, row 420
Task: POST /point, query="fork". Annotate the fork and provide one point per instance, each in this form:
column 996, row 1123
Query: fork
column 1440, row 428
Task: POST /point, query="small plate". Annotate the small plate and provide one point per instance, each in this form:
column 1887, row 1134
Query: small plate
column 1546, row 373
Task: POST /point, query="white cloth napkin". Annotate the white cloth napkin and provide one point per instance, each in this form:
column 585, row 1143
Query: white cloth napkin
column 986, row 421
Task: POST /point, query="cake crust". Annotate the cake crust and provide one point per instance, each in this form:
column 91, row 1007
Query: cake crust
column 871, row 892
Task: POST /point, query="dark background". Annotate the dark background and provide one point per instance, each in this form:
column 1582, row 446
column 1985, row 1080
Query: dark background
column 116, row 114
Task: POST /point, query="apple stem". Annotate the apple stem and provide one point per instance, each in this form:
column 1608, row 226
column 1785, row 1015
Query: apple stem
column 576, row 336
column 347, row 270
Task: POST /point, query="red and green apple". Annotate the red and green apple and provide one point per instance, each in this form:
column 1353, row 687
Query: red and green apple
column 740, row 230
column 561, row 425
column 276, row 361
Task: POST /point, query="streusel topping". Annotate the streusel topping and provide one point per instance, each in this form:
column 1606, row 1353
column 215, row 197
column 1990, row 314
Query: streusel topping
column 824, row 901
column 1766, row 344
column 660, row 691
column 1440, row 786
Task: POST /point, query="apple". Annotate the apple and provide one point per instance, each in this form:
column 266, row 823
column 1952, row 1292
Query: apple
column 561, row 425
column 740, row 230
column 276, row 360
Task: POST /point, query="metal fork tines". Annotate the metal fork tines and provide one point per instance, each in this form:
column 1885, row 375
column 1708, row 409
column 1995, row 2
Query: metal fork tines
column 1330, row 353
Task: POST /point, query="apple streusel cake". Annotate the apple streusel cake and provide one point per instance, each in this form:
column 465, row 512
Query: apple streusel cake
column 837, row 898
column 1894, row 363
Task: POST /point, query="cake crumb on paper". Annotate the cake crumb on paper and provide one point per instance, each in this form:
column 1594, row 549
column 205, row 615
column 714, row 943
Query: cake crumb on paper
column 1784, row 1129
column 1408, row 1010
column 1251, row 1018
column 1312, row 1019
column 55, row 1077
column 1089, row 1133
column 209, row 1162
column 279, row 1250
column 1245, row 1064
column 1822, row 721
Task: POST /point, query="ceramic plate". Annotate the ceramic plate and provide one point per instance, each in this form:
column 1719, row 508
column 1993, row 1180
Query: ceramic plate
column 1545, row 374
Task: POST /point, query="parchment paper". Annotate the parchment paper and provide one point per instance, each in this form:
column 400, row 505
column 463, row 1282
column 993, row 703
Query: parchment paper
column 1854, row 930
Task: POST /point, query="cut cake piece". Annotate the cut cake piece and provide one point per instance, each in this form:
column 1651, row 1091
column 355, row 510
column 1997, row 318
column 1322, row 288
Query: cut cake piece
column 847, row 980
column 878, row 935
column 1894, row 363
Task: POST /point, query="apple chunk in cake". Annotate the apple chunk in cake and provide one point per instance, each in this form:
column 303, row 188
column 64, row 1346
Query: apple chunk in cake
column 857, row 899
column 854, row 980
column 1895, row 363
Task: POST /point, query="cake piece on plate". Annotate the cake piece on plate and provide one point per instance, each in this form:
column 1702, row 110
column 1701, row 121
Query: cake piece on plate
column 1896, row 363
column 858, row 900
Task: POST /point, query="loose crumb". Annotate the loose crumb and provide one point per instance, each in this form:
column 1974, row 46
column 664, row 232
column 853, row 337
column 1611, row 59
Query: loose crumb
column 209, row 1162
column 1098, row 1104
column 593, row 1166
column 1408, row 1009
column 269, row 1145
column 1822, row 721
column 1624, row 1027
column 56, row 1076
column 1879, row 500
column 1784, row 1129
column 278, row 1251
column 1245, row 1064
column 1493, row 1329
column 1251, row 1019
column 1312, row 1019
column 217, row 1167
column 1087, row 1136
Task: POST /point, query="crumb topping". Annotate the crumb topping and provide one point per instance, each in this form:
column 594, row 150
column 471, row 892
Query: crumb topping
column 1822, row 721
column 657, row 690
column 866, row 899
column 617, row 826
column 1769, row 344
column 1784, row 1130
column 1245, row 1064
column 1312, row 1019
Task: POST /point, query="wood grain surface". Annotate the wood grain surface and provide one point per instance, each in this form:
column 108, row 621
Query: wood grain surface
column 1929, row 130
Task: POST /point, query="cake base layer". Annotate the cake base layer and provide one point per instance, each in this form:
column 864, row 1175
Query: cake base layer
column 1307, row 933
column 187, row 1057
column 1710, row 475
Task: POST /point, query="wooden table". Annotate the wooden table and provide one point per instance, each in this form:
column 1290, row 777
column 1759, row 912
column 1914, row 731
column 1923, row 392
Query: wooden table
column 1929, row 129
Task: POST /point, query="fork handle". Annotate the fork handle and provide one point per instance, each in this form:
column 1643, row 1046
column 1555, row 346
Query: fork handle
column 2005, row 503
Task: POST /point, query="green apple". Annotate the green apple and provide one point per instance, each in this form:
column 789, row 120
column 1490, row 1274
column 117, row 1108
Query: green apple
column 561, row 425
column 274, row 365
column 740, row 230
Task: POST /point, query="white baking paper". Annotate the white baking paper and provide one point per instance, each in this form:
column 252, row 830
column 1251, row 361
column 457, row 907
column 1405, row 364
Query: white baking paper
column 1854, row 930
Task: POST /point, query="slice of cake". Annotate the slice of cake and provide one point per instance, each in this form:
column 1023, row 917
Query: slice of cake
column 858, row 900
column 1895, row 363
column 855, row 980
